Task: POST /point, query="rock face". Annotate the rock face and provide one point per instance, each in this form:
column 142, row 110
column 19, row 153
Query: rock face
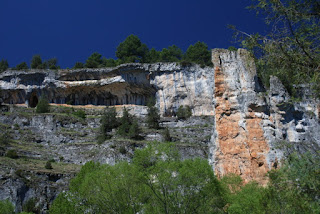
column 171, row 84
column 250, row 122
column 238, row 124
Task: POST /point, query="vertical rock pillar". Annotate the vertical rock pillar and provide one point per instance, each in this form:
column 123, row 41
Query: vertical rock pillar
column 239, row 145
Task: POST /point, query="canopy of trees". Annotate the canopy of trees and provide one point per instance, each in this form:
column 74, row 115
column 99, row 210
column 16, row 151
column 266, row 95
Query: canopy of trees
column 158, row 181
column 131, row 50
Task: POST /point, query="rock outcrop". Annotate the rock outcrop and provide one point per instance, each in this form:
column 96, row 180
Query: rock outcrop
column 238, row 124
column 172, row 85
column 251, row 123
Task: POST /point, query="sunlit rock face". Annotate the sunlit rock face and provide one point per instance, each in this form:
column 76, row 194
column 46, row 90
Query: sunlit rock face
column 251, row 122
column 171, row 84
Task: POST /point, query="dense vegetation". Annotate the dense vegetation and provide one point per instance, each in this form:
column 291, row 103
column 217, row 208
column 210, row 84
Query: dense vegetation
column 158, row 181
column 291, row 49
column 129, row 51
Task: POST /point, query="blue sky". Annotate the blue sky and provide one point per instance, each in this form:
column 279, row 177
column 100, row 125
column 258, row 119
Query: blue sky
column 71, row 30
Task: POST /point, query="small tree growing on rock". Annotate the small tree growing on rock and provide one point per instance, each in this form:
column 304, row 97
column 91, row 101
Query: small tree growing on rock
column 129, row 126
column 43, row 106
column 108, row 122
column 184, row 113
column 48, row 165
column 153, row 116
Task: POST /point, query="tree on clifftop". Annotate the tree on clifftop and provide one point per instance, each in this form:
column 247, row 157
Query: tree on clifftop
column 22, row 66
column 198, row 53
column 132, row 50
column 172, row 54
column 36, row 62
column 4, row 65
column 94, row 61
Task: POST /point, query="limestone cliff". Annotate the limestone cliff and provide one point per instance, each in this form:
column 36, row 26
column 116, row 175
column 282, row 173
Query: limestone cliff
column 241, row 134
column 171, row 84
column 250, row 122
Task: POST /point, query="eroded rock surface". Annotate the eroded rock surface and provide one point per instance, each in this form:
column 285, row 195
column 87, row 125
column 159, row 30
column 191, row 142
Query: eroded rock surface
column 237, row 123
column 251, row 123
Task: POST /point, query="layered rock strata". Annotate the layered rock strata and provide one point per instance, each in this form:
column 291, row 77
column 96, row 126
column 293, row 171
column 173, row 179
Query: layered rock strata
column 171, row 84
column 250, row 121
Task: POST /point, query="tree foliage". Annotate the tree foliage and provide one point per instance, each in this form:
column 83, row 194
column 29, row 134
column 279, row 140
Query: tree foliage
column 172, row 54
column 132, row 50
column 128, row 126
column 6, row 207
column 43, row 106
column 78, row 65
column 199, row 54
column 153, row 116
column 94, row 60
column 108, row 122
column 51, row 64
column 157, row 181
column 4, row 65
column 22, row 66
column 184, row 112
column 36, row 62
column 291, row 49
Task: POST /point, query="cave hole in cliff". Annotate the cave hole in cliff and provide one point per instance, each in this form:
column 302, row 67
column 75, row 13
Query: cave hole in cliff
column 33, row 102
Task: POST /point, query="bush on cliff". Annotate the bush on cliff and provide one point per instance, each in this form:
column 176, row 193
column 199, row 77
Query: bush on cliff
column 128, row 126
column 22, row 66
column 80, row 113
column 153, row 116
column 6, row 207
column 4, row 65
column 36, row 62
column 12, row 154
column 184, row 112
column 43, row 106
column 94, row 60
column 108, row 122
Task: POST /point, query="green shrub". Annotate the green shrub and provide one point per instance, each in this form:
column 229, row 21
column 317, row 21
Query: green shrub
column 166, row 135
column 134, row 131
column 80, row 113
column 12, row 154
column 48, row 165
column 153, row 116
column 5, row 139
column 30, row 206
column 22, row 66
column 78, row 65
column 123, row 150
column 128, row 126
column 109, row 121
column 36, row 62
column 43, row 106
column 6, row 207
column 4, row 65
column 184, row 112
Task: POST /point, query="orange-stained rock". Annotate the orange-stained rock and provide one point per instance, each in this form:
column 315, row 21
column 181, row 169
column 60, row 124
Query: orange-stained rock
column 240, row 150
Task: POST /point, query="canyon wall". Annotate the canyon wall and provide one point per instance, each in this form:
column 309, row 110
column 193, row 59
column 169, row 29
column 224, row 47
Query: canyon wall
column 252, row 124
column 250, row 121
